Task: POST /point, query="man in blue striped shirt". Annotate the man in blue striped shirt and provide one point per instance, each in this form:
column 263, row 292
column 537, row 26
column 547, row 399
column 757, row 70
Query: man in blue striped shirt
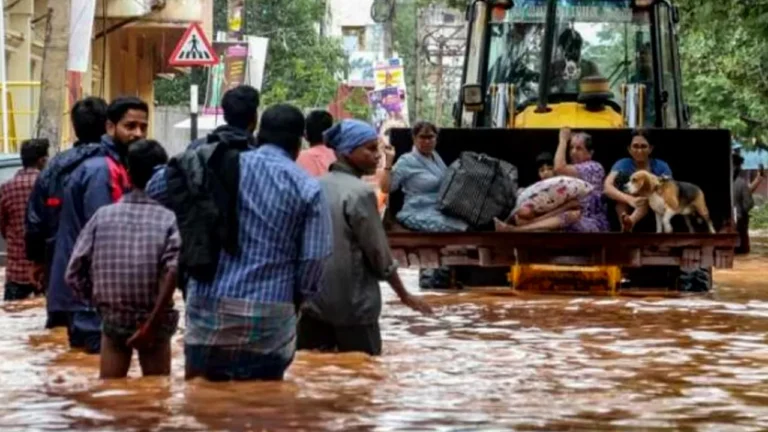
column 242, row 324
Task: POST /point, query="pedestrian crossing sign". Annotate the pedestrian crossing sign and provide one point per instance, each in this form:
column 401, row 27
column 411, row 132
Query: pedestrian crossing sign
column 193, row 49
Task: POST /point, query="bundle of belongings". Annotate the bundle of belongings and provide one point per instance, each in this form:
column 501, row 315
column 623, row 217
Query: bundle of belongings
column 550, row 194
column 202, row 191
column 478, row 188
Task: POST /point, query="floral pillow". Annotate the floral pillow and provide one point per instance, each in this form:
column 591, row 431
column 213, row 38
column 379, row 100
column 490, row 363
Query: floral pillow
column 547, row 195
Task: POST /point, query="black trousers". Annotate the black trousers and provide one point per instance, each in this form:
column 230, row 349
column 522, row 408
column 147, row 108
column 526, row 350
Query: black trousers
column 58, row 319
column 314, row 334
column 742, row 227
column 15, row 291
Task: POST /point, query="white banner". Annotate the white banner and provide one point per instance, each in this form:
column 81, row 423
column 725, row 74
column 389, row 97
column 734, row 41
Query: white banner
column 257, row 59
column 81, row 17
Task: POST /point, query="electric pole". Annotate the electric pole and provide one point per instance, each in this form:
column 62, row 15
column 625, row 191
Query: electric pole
column 54, row 72
column 439, row 79
column 389, row 32
column 419, row 47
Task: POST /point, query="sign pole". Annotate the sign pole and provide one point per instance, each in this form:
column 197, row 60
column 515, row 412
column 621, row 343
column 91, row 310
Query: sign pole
column 193, row 111
column 193, row 50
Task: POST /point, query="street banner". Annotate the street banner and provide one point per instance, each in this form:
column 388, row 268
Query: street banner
column 235, row 13
column 257, row 59
column 387, row 105
column 390, row 74
column 81, row 13
column 362, row 69
column 228, row 74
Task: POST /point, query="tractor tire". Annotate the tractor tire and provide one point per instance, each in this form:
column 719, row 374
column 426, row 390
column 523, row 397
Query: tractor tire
column 696, row 281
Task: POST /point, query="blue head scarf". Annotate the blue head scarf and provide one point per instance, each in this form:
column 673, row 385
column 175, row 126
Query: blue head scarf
column 348, row 135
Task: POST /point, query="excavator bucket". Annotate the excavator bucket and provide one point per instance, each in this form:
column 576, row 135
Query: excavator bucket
column 701, row 157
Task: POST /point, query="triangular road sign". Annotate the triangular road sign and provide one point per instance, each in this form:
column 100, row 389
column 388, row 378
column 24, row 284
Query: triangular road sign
column 193, row 49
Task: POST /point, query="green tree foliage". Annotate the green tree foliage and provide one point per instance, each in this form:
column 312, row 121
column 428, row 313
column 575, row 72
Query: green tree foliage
column 357, row 104
column 724, row 56
column 303, row 67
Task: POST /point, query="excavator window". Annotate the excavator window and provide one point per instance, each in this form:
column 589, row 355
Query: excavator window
column 610, row 39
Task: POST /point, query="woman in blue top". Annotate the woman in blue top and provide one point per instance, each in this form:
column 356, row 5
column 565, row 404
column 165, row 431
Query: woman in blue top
column 640, row 150
column 419, row 174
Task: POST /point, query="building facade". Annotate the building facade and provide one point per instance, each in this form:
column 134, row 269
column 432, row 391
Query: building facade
column 132, row 40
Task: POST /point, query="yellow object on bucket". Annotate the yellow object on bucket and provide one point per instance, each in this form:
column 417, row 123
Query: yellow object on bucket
column 565, row 279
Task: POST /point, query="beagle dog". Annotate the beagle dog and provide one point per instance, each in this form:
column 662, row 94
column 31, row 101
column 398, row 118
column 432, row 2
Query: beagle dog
column 667, row 198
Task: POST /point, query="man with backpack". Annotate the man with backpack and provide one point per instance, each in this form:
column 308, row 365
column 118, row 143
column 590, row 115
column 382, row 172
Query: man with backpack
column 241, row 111
column 89, row 119
column 97, row 181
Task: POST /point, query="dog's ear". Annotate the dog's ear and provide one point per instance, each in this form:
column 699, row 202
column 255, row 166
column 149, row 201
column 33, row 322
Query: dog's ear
column 652, row 182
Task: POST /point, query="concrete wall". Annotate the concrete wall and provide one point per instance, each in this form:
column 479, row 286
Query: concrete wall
column 173, row 140
column 348, row 13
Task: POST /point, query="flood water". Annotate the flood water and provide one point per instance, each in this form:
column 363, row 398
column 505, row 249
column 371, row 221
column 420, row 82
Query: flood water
column 487, row 360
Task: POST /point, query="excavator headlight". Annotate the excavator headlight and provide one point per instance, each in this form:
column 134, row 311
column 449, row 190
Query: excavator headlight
column 472, row 96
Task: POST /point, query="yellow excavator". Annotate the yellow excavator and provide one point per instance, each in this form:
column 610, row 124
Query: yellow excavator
column 603, row 66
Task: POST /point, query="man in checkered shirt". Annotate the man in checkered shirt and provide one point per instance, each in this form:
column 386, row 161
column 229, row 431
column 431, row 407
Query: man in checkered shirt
column 22, row 277
column 125, row 262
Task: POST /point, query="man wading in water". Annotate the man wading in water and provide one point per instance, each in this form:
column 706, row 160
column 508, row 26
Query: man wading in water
column 344, row 315
column 255, row 232
column 99, row 180
column 124, row 261
column 89, row 121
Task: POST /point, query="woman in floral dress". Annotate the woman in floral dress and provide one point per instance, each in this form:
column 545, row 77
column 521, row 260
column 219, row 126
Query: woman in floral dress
column 588, row 214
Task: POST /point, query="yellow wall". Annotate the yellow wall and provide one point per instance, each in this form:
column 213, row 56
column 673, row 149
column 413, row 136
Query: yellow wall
column 135, row 54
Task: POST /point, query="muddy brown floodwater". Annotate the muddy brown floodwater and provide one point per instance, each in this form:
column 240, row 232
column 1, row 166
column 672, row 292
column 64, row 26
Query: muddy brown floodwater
column 488, row 360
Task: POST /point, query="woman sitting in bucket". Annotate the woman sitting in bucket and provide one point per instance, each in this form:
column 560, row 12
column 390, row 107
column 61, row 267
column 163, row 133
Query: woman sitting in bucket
column 419, row 175
column 587, row 214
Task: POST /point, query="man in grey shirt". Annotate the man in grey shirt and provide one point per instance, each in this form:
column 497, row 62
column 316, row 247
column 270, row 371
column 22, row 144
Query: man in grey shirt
column 344, row 315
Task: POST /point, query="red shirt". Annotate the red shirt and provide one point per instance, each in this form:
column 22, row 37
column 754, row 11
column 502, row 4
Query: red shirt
column 13, row 206
column 316, row 160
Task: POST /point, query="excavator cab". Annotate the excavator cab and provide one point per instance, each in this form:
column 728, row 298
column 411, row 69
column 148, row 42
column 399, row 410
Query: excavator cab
column 532, row 57
column 605, row 67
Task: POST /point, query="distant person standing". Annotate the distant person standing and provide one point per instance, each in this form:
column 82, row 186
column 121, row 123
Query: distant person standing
column 317, row 158
column 344, row 315
column 22, row 277
column 743, row 202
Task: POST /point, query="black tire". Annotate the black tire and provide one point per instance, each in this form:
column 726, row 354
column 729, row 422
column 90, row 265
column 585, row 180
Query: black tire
column 696, row 281
column 439, row 278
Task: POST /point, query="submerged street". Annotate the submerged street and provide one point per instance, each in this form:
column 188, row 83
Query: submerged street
column 487, row 360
